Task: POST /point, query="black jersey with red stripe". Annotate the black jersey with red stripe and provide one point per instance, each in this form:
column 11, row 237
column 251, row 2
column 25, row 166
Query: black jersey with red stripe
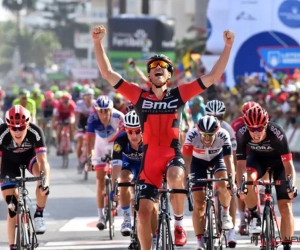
column 274, row 145
column 160, row 118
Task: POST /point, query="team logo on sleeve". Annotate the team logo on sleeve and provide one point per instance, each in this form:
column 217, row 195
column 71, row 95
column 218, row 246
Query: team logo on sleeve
column 117, row 147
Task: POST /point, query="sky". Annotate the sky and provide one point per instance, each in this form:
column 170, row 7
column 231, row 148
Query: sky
column 5, row 15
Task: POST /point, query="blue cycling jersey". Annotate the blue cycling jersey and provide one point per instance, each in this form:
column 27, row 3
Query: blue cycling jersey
column 126, row 156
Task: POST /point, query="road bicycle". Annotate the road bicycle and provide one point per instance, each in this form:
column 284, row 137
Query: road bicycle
column 48, row 133
column 110, row 207
column 164, row 237
column 214, row 235
column 134, row 241
column 268, row 237
column 65, row 143
column 84, row 156
column 25, row 234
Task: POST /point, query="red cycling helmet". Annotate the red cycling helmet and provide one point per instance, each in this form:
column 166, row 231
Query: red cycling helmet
column 17, row 116
column 248, row 105
column 66, row 97
column 49, row 94
column 256, row 117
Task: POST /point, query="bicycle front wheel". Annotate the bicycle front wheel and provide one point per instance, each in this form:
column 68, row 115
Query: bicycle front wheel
column 164, row 240
column 109, row 212
column 209, row 226
column 268, row 233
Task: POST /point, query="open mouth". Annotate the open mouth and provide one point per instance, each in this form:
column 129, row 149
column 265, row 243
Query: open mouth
column 158, row 74
column 18, row 137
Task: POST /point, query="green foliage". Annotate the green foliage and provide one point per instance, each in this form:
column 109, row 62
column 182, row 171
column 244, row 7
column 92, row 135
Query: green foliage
column 35, row 47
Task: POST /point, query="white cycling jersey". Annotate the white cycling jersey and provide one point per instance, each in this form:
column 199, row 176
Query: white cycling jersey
column 229, row 129
column 194, row 146
column 105, row 136
column 83, row 109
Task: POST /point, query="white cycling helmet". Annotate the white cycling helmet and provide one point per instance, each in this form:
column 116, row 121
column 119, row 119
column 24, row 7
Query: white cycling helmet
column 103, row 102
column 215, row 107
column 88, row 91
column 131, row 120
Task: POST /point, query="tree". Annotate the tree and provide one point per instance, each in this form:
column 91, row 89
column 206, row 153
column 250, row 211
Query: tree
column 17, row 5
column 35, row 47
column 62, row 14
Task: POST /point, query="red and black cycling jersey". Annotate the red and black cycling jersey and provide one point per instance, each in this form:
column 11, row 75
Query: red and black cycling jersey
column 160, row 118
column 275, row 144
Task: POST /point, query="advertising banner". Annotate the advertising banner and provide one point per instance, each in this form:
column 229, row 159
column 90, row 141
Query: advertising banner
column 143, row 34
column 267, row 35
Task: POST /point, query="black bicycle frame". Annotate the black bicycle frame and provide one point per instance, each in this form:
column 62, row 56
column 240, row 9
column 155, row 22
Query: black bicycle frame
column 22, row 230
column 134, row 241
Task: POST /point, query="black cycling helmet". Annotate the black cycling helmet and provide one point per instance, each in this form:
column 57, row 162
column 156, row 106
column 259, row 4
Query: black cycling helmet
column 161, row 57
column 208, row 124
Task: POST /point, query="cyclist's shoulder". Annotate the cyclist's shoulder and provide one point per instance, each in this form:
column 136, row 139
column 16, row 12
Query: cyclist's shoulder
column 31, row 101
column 275, row 130
column 93, row 118
column 79, row 102
column 117, row 114
column 35, row 130
column 3, row 128
column 223, row 134
column 122, row 139
column 192, row 134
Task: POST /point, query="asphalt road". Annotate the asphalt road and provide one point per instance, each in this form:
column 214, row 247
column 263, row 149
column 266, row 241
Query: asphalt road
column 71, row 215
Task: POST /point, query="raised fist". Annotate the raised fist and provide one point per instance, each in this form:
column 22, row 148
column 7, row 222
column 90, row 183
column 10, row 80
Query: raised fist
column 98, row 33
column 228, row 37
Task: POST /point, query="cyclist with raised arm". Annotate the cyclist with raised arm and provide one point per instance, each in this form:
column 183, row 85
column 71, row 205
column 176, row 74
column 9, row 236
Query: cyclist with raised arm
column 159, row 110
column 236, row 124
column 217, row 109
column 22, row 143
column 268, row 147
column 84, row 107
column 103, row 127
column 209, row 145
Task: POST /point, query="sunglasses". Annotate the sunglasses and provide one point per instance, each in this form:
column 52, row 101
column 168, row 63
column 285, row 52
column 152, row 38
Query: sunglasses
column 102, row 111
column 162, row 64
column 17, row 128
column 131, row 131
column 207, row 134
column 258, row 129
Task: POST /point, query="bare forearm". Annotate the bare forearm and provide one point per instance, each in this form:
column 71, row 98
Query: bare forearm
column 240, row 171
column 290, row 170
column 220, row 65
column 230, row 166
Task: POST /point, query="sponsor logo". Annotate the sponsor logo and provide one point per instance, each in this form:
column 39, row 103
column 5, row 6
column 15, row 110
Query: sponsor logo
column 223, row 137
column 277, row 132
column 242, row 130
column 137, row 40
column 191, row 136
column 214, row 151
column 289, row 13
column 117, row 147
column 160, row 105
column 262, row 148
